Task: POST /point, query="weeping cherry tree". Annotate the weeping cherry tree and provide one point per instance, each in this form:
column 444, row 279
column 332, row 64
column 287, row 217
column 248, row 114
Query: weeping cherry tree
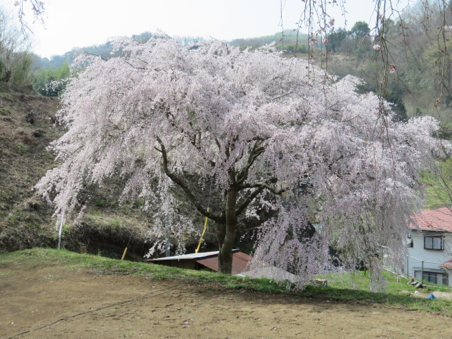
column 268, row 133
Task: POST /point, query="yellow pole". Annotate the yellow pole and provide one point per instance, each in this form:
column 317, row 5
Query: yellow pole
column 202, row 235
column 124, row 254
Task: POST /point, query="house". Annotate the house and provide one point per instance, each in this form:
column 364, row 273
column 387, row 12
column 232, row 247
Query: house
column 430, row 247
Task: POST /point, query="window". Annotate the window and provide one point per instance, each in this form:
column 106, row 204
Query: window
column 433, row 243
column 432, row 277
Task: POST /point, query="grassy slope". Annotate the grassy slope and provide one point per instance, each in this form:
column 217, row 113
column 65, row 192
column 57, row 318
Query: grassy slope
column 398, row 293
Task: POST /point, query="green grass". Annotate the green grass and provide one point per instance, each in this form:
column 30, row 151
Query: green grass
column 341, row 287
column 355, row 287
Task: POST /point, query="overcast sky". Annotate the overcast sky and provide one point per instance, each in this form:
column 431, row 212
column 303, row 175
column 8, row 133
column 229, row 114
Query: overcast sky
column 80, row 23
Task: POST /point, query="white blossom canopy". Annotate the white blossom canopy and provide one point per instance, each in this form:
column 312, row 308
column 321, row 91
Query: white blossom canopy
column 252, row 121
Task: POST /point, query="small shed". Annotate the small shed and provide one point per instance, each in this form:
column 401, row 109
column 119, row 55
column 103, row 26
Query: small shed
column 198, row 261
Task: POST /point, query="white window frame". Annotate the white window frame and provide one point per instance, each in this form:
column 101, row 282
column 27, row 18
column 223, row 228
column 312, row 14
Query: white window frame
column 440, row 278
column 434, row 242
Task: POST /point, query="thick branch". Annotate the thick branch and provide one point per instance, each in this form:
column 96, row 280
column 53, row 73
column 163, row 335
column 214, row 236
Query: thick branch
column 178, row 181
column 249, row 199
column 254, row 154
column 263, row 184
column 260, row 186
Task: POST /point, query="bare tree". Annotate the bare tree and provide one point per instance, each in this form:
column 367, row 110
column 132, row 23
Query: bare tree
column 15, row 59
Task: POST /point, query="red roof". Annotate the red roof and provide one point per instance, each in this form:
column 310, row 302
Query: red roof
column 437, row 220
column 447, row 264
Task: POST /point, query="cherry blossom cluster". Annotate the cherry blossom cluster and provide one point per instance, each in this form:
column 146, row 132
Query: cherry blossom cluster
column 256, row 125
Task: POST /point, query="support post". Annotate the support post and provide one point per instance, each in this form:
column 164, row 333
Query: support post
column 167, row 236
column 60, row 231
column 382, row 256
column 124, row 254
column 408, row 266
column 422, row 272
column 203, row 232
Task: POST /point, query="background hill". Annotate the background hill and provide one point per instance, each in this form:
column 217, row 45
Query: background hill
column 418, row 87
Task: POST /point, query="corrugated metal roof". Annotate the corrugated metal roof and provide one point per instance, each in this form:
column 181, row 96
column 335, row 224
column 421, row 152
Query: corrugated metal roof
column 239, row 265
column 434, row 220
column 190, row 256
column 239, row 262
column 209, row 259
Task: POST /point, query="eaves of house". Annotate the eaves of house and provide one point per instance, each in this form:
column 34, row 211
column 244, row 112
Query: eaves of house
column 439, row 220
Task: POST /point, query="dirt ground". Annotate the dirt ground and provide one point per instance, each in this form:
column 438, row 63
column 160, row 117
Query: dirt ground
column 52, row 302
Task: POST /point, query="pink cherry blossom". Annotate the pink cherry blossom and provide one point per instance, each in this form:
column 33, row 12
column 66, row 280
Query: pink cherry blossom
column 270, row 136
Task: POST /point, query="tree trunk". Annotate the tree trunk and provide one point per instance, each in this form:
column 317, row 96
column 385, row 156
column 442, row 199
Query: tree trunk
column 226, row 234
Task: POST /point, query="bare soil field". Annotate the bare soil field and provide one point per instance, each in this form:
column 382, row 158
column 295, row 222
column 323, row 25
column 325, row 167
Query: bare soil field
column 54, row 302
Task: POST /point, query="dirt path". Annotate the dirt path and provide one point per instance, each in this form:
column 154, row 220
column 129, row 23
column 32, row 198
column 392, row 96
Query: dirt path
column 33, row 301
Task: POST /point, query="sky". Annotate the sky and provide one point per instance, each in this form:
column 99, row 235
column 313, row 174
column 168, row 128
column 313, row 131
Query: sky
column 81, row 23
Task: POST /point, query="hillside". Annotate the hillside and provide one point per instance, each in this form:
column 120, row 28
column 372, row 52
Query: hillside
column 27, row 126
